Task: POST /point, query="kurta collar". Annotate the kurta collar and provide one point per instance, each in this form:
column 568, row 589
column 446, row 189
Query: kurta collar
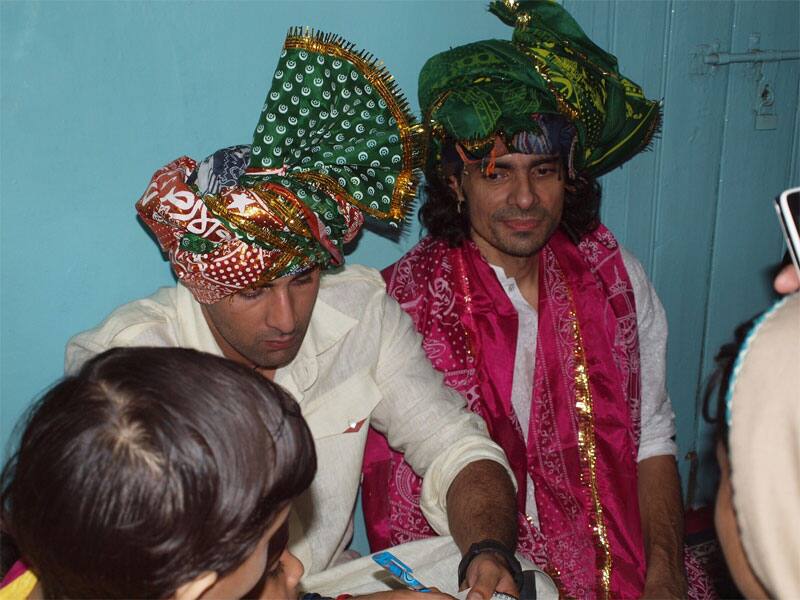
column 193, row 330
column 328, row 325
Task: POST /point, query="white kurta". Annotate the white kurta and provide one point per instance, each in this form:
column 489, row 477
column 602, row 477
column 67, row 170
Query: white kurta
column 658, row 419
column 360, row 363
column 434, row 562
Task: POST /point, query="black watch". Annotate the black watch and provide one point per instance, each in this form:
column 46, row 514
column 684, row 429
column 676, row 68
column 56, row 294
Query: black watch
column 494, row 547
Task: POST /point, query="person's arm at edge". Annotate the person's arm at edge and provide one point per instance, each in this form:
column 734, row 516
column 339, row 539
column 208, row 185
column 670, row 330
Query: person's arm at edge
column 481, row 504
column 661, row 511
column 659, row 491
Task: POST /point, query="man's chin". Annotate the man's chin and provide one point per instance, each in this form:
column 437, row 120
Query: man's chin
column 522, row 245
column 277, row 359
column 521, row 250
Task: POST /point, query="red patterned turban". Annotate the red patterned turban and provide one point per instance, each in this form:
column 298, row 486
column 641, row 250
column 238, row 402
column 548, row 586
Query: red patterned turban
column 335, row 141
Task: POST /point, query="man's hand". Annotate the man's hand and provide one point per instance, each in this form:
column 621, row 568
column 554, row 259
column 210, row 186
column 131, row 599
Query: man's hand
column 481, row 505
column 663, row 589
column 487, row 573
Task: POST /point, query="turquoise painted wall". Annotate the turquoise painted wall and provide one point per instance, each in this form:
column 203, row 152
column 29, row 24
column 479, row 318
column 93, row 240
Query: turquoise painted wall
column 97, row 95
column 697, row 210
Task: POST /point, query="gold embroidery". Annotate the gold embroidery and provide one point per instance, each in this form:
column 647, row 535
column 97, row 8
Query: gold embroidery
column 374, row 72
column 328, row 185
column 279, row 265
column 540, row 65
column 588, row 455
column 285, row 205
column 472, row 146
column 435, row 129
column 262, row 234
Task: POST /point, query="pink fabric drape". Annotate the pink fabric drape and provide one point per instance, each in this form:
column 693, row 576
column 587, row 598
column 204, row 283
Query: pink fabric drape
column 470, row 330
column 18, row 569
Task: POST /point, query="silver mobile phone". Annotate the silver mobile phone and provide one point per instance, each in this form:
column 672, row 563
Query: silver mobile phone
column 787, row 205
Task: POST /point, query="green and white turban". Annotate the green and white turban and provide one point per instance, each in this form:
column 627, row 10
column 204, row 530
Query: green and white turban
column 335, row 141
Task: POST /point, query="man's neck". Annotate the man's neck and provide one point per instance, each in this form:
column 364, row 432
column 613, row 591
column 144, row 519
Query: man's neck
column 523, row 269
column 265, row 372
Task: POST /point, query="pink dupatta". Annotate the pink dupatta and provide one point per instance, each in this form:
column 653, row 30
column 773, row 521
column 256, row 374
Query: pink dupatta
column 584, row 425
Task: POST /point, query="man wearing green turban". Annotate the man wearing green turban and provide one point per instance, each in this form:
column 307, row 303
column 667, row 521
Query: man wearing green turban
column 255, row 236
column 533, row 311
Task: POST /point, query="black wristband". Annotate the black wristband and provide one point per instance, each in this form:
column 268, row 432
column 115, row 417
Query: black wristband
column 494, row 547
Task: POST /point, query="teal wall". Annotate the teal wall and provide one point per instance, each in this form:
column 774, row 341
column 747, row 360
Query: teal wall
column 97, row 96
column 697, row 210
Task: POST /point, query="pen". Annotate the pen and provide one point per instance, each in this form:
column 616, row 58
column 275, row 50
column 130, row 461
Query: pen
column 400, row 570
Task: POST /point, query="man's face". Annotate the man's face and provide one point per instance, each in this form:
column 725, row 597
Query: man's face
column 264, row 327
column 514, row 211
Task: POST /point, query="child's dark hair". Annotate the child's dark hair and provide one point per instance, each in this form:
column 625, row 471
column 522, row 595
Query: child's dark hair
column 720, row 380
column 150, row 467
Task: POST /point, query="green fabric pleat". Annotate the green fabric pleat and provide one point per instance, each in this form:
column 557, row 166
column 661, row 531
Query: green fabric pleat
column 472, row 92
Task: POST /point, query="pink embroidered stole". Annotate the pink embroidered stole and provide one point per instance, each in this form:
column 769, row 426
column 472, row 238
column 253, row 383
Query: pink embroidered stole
column 584, row 426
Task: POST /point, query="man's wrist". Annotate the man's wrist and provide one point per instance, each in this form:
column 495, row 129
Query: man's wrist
column 489, row 546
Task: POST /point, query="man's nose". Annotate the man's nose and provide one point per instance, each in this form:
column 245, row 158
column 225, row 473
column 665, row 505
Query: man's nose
column 523, row 193
column 280, row 312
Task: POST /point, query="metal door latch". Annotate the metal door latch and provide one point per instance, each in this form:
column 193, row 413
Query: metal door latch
column 707, row 57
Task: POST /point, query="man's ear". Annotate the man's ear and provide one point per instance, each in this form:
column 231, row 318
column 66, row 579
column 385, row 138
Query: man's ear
column 196, row 587
column 454, row 184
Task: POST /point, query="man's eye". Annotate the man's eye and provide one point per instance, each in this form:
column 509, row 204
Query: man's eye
column 545, row 170
column 305, row 279
column 495, row 176
column 250, row 294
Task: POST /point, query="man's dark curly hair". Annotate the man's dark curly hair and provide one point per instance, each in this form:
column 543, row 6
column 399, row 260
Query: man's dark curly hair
column 440, row 216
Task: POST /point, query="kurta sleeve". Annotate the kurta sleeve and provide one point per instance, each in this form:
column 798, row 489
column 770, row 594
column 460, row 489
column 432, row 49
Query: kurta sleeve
column 423, row 418
column 658, row 418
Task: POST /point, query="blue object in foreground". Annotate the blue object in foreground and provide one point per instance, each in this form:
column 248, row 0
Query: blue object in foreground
column 400, row 570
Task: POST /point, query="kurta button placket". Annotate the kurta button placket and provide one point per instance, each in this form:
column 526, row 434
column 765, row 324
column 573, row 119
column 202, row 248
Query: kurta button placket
column 306, row 373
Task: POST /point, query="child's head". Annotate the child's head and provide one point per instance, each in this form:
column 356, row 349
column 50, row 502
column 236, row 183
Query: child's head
column 758, row 448
column 153, row 470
